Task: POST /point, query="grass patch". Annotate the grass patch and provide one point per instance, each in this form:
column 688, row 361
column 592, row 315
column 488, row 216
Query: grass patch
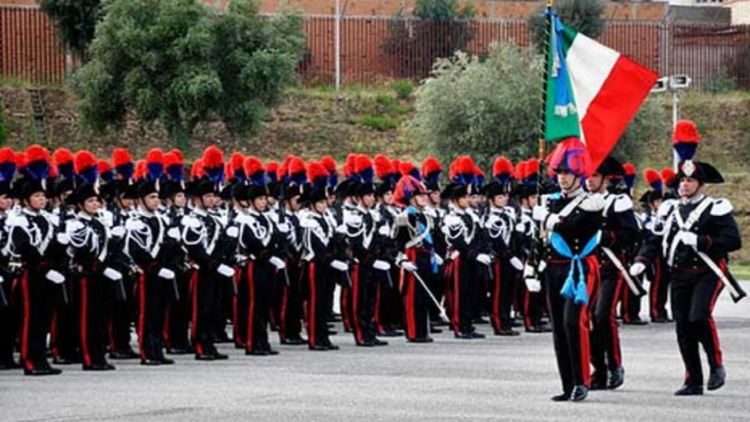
column 741, row 271
column 379, row 123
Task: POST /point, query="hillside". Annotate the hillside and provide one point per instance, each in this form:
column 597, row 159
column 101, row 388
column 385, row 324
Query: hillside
column 318, row 121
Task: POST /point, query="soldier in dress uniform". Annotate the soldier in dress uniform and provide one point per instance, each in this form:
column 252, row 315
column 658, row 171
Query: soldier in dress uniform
column 8, row 273
column 432, row 170
column 653, row 226
column 572, row 219
column 619, row 230
column 699, row 232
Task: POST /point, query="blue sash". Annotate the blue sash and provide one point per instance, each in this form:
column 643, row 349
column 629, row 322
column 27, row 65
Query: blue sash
column 570, row 290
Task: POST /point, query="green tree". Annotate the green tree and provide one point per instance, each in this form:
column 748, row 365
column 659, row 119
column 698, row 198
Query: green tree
column 4, row 129
column 483, row 108
column 184, row 63
column 442, row 28
column 76, row 20
column 585, row 16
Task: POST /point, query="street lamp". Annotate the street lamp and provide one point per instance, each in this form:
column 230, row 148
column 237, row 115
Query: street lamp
column 674, row 84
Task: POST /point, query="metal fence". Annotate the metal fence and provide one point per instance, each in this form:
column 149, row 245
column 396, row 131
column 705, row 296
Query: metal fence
column 374, row 49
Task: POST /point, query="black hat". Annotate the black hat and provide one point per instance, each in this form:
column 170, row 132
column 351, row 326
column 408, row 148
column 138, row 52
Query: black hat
column 611, row 167
column 650, row 196
column 363, row 189
column 170, row 188
column 495, row 188
column 27, row 186
column 290, row 191
column 383, row 188
column 83, row 192
column 256, row 191
column 6, row 188
column 59, row 186
column 456, row 190
column 703, row 172
column 202, row 187
column 343, row 189
column 238, row 191
column 146, row 187
column 130, row 190
column 312, row 194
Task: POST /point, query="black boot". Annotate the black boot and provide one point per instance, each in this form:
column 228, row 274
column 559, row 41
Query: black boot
column 598, row 380
column 616, row 378
column 689, row 390
column 579, row 393
column 716, row 380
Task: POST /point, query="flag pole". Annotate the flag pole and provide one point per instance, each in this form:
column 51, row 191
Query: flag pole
column 542, row 141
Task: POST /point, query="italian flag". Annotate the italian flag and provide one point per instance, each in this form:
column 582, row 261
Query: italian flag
column 592, row 91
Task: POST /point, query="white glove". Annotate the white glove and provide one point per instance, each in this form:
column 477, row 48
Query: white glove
column 55, row 277
column 174, row 233
column 63, row 238
column 438, row 259
column 339, row 265
column 539, row 213
column 233, row 232
column 551, row 222
column 533, row 285
column 225, row 270
column 277, row 262
column 112, row 274
column 166, row 274
column 516, row 263
column 690, row 239
column 384, row 230
column 381, row 265
column 542, row 265
column 283, row 227
column 134, row 225
column 637, row 269
column 118, row 231
column 2, row 279
column 408, row 266
column 483, row 258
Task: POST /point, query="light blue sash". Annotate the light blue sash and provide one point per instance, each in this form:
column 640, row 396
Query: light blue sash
column 570, row 290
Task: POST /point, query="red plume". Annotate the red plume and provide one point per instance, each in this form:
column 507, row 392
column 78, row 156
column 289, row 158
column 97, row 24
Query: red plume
column 668, row 176
column 686, row 131
column 104, row 166
column 532, row 167
column 7, row 155
column 329, row 163
column 316, row 171
column 252, row 165
column 21, row 160
column 37, row 153
column 178, row 153
column 197, row 171
column 296, row 165
column 120, row 157
column 155, row 156
column 431, row 165
column 652, row 176
column 213, row 158
column 465, row 164
column 141, row 169
column 272, row 167
column 520, row 170
column 83, row 160
column 502, row 166
column 62, row 156
column 171, row 159
column 349, row 166
column 362, row 163
column 237, row 160
column 382, row 166
column 406, row 168
column 629, row 169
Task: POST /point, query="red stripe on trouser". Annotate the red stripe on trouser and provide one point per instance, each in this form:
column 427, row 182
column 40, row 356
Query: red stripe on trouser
column 311, row 314
column 655, row 289
column 250, row 305
column 194, row 314
column 613, row 322
column 355, row 303
column 345, row 314
column 142, row 315
column 411, row 284
column 282, row 322
column 583, row 320
column 28, row 364
column 85, row 321
column 711, row 322
column 496, row 322
column 456, row 296
column 625, row 306
column 526, row 306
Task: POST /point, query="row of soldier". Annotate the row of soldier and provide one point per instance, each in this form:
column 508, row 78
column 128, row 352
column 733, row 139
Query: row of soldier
column 92, row 246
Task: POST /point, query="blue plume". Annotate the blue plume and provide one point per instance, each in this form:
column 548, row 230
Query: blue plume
column 503, row 179
column 433, row 177
column 685, row 150
column 216, row 175
column 320, row 182
column 272, row 177
column 258, row 178
column 108, row 176
column 299, row 178
column 66, row 170
column 367, row 175
column 38, row 170
column 126, row 171
column 89, row 175
column 155, row 171
column 176, row 172
column 7, row 170
column 333, row 179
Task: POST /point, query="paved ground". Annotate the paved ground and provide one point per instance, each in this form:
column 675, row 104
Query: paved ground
column 493, row 379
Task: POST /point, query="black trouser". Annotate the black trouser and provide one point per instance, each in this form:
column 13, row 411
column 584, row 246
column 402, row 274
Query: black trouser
column 92, row 308
column 388, row 308
column 437, row 285
column 121, row 316
column 223, row 304
column 290, row 306
column 570, row 327
column 605, row 337
column 318, row 280
column 65, row 332
column 179, row 314
column 38, row 298
column 8, row 321
column 532, row 304
column 259, row 277
column 502, row 294
column 659, row 290
column 631, row 304
column 363, row 302
column 694, row 295
column 205, row 290
column 463, row 288
column 416, row 300
column 152, row 304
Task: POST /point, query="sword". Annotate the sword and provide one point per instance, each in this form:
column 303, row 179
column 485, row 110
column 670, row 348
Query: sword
column 634, row 286
column 443, row 314
column 286, row 278
column 3, row 300
column 735, row 290
column 389, row 279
